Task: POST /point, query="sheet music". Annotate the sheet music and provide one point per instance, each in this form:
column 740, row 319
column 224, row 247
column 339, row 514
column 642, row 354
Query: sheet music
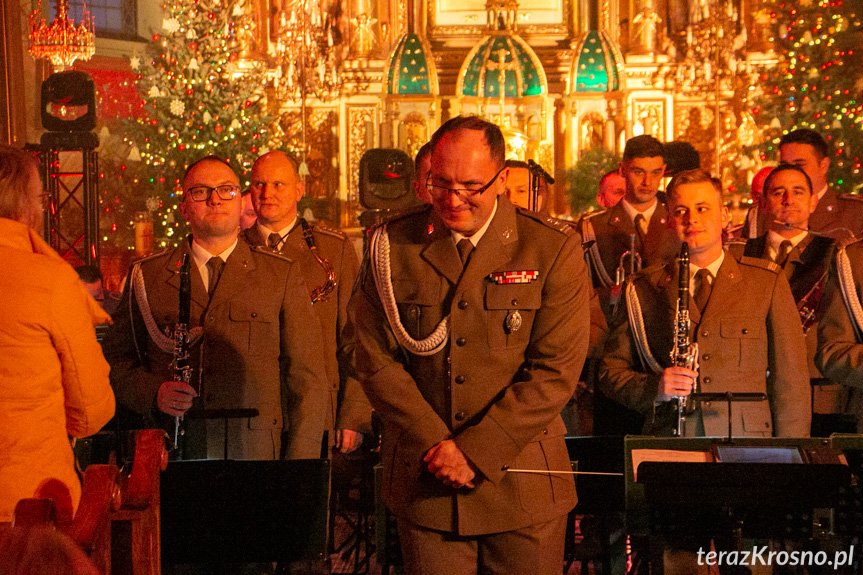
column 667, row 455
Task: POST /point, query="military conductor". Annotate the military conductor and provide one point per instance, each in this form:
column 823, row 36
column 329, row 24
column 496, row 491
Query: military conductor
column 471, row 324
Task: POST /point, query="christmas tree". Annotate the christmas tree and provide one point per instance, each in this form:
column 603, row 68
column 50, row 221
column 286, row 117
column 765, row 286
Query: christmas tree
column 200, row 94
column 817, row 84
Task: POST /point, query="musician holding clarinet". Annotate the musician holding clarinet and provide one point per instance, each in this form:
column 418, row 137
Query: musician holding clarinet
column 250, row 344
column 741, row 316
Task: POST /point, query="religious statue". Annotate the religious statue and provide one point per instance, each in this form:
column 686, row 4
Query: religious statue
column 645, row 24
column 364, row 39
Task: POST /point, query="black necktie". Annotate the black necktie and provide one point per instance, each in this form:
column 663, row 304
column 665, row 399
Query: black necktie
column 215, row 268
column 273, row 241
column 702, row 289
column 782, row 254
column 465, row 247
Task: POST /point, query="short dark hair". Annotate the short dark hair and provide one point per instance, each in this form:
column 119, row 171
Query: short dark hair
column 806, row 136
column 209, row 158
column 643, row 146
column 89, row 273
column 680, row 156
column 493, row 135
column 692, row 177
column 516, row 164
column 785, row 168
column 424, row 152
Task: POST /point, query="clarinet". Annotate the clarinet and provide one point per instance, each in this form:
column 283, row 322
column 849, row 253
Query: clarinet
column 182, row 369
column 684, row 353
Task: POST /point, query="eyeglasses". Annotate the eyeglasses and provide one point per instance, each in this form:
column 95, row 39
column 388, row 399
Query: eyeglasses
column 464, row 194
column 203, row 193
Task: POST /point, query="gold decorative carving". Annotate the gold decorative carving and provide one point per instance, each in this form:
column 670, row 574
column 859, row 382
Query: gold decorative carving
column 416, row 133
column 323, row 145
column 362, row 131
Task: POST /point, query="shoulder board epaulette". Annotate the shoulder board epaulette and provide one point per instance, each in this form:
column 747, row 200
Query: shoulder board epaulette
column 401, row 214
column 760, row 263
column 593, row 214
column 845, row 242
column 327, row 230
column 851, row 197
column 562, row 226
column 267, row 251
column 153, row 255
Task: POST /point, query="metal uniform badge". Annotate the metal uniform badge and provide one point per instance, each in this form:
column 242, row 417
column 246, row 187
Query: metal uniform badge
column 513, row 321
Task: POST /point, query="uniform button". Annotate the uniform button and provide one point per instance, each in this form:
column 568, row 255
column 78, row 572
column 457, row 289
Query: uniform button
column 459, row 379
column 462, row 304
column 705, row 357
column 275, row 421
column 545, row 431
column 211, row 318
column 515, row 302
column 460, row 416
column 706, row 380
column 706, row 404
column 460, row 342
column 254, row 314
column 745, row 331
column 704, row 333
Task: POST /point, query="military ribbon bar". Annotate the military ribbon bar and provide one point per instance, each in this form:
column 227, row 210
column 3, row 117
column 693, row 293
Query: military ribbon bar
column 516, row 277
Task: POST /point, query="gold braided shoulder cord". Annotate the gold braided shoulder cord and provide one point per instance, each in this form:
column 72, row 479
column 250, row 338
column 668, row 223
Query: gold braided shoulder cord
column 849, row 291
column 636, row 323
column 380, row 260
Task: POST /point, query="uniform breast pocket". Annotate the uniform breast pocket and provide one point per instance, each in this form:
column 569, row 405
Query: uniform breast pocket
column 253, row 327
column 415, row 300
column 510, row 311
column 745, row 342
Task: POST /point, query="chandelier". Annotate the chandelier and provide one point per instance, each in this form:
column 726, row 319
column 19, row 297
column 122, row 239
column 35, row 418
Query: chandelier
column 62, row 42
column 713, row 67
column 307, row 58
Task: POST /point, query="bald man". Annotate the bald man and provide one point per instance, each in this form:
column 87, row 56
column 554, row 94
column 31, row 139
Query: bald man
column 329, row 266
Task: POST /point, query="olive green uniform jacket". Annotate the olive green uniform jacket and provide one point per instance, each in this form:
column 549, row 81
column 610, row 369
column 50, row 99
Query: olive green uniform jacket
column 260, row 349
column 749, row 339
column 496, row 391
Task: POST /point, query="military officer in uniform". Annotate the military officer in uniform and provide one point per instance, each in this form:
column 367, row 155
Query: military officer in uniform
column 839, row 216
column 744, row 322
column 330, row 266
column 471, row 328
column 840, row 325
column 787, row 202
column 254, row 341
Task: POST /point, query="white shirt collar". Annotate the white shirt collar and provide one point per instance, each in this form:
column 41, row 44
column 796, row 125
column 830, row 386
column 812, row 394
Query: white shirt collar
column 202, row 256
column 265, row 231
column 632, row 212
column 477, row 236
column 774, row 240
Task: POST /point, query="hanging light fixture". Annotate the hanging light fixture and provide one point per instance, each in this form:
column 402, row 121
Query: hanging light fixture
column 62, row 42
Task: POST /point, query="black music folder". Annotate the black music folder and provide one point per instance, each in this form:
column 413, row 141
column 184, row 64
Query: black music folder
column 217, row 511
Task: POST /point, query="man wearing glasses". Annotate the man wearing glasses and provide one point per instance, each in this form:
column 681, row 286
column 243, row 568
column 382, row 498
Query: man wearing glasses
column 254, row 341
column 471, row 325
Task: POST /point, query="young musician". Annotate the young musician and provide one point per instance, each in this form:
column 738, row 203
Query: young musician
column 744, row 321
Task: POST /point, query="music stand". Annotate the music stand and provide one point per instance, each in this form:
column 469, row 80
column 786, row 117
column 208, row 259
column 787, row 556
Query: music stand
column 224, row 414
column 216, row 511
column 763, row 493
